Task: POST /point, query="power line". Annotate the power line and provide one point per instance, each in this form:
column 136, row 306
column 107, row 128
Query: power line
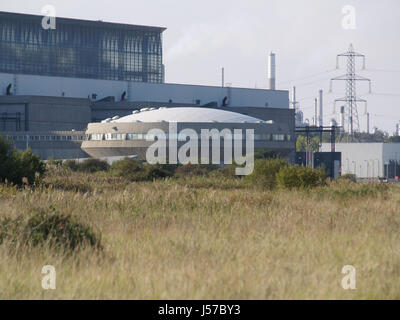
column 381, row 70
column 306, row 77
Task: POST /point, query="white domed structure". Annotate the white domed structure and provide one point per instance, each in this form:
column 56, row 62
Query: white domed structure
column 132, row 135
column 189, row 115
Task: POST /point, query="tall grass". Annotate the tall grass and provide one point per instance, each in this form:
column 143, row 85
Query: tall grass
column 207, row 238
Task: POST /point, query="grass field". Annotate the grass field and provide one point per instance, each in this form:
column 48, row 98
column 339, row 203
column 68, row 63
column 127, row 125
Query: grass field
column 207, row 238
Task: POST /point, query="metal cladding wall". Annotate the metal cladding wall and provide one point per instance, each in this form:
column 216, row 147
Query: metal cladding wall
column 140, row 91
column 366, row 160
column 80, row 48
column 43, row 113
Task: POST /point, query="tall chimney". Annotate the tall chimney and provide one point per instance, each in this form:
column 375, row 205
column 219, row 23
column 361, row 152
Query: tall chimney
column 320, row 111
column 271, row 71
column 368, row 122
column 342, row 118
column 315, row 112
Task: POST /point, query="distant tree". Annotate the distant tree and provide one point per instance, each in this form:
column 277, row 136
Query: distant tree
column 301, row 144
column 394, row 139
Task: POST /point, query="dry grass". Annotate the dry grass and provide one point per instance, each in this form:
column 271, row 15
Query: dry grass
column 209, row 239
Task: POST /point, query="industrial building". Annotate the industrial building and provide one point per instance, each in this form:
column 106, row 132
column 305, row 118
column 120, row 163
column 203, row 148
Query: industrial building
column 129, row 135
column 369, row 160
column 57, row 80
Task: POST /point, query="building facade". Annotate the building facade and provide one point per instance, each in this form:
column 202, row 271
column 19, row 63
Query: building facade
column 80, row 49
column 131, row 135
column 82, row 72
column 369, row 160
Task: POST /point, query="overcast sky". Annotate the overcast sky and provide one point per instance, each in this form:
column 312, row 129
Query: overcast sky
column 306, row 35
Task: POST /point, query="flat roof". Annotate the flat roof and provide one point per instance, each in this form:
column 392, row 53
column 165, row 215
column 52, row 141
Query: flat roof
column 90, row 23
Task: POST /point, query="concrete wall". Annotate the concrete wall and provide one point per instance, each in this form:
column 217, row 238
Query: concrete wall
column 138, row 91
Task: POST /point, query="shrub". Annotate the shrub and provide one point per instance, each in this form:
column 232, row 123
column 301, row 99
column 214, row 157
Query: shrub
column 71, row 164
column 156, row 171
column 88, row 165
column 135, row 170
column 58, row 230
column 292, row 177
column 265, row 171
column 348, row 177
column 18, row 167
column 127, row 167
column 93, row 165
column 190, row 170
column 54, row 162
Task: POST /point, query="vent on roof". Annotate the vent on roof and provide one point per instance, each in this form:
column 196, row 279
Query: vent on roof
column 135, row 111
column 144, row 109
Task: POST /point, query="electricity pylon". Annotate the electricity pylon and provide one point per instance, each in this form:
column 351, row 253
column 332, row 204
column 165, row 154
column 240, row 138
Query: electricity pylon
column 351, row 99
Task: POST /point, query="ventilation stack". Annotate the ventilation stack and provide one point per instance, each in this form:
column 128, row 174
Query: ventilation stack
column 271, row 71
column 341, row 123
column 320, row 110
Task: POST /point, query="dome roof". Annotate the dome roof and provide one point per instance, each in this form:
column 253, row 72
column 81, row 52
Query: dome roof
column 188, row 115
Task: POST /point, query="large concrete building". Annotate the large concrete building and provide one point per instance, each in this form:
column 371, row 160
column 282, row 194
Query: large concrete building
column 82, row 72
column 130, row 135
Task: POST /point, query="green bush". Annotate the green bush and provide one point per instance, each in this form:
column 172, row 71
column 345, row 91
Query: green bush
column 19, row 167
column 54, row 162
column 135, row 170
column 88, row 165
column 295, row 177
column 93, row 165
column 71, row 165
column 40, row 227
column 265, row 171
column 348, row 177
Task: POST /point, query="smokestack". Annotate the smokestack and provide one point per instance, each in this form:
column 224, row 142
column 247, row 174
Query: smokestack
column 271, row 71
column 320, row 113
column 294, row 102
column 316, row 113
column 368, row 122
column 342, row 118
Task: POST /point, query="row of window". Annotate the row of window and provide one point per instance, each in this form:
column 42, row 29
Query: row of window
column 88, row 52
column 180, row 137
column 46, row 137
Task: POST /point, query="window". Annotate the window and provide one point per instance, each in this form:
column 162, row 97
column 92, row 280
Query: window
column 278, row 137
column 93, row 51
column 96, row 136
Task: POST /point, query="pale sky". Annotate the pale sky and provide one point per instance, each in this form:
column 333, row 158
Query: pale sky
column 306, row 35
